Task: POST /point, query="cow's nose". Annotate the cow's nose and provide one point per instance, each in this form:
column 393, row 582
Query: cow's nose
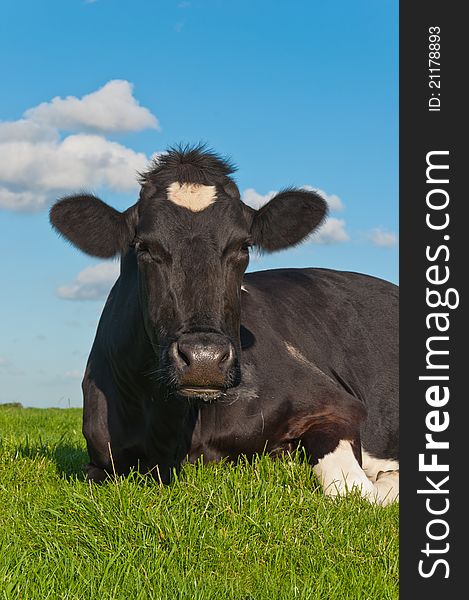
column 192, row 355
column 202, row 360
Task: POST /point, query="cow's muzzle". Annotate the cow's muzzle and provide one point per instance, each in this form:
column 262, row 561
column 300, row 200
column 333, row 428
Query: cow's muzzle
column 204, row 364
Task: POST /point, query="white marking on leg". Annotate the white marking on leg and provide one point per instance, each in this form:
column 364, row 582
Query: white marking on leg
column 387, row 487
column 193, row 196
column 339, row 473
column 372, row 466
column 384, row 473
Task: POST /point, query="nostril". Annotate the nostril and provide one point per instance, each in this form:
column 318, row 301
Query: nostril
column 225, row 356
column 183, row 355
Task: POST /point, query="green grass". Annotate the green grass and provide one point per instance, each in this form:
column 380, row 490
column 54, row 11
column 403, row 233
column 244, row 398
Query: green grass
column 245, row 531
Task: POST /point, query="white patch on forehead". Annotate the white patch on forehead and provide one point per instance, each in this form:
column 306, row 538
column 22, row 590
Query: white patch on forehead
column 193, row 196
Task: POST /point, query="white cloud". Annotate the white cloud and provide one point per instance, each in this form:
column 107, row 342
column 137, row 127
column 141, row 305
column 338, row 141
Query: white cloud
column 256, row 200
column 24, row 130
column 4, row 362
column 93, row 283
column 37, row 165
column 333, row 230
column 21, row 201
column 32, row 173
column 380, row 237
column 111, row 108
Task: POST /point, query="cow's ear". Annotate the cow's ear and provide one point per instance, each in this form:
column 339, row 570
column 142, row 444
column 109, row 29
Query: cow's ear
column 93, row 226
column 287, row 219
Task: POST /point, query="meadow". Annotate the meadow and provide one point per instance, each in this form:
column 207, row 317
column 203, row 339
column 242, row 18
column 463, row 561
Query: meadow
column 226, row 532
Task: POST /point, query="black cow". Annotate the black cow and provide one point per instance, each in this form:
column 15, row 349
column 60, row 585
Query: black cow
column 191, row 359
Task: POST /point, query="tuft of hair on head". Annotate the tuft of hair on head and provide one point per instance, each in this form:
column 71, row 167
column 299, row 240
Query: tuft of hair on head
column 188, row 164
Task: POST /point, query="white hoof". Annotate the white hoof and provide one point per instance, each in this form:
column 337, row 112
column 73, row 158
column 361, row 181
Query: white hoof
column 387, row 487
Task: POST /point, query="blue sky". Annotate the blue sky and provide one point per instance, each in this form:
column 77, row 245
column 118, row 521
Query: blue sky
column 299, row 93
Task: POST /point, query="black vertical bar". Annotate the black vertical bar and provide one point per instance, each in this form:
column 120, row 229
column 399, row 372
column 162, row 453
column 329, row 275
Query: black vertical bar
column 433, row 252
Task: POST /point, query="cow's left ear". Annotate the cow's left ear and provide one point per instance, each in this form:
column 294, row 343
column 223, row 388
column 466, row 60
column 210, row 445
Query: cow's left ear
column 287, row 219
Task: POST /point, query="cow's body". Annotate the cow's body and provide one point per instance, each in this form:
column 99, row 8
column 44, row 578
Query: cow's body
column 190, row 359
column 317, row 346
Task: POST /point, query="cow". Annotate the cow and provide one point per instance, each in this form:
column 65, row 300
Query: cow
column 193, row 357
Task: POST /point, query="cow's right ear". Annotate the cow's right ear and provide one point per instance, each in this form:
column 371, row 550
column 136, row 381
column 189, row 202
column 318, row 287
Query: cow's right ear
column 93, row 226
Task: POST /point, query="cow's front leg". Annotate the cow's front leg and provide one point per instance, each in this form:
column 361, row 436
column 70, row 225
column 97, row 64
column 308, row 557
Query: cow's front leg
column 107, row 427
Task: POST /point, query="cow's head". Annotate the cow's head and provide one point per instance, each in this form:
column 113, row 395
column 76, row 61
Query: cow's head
column 190, row 235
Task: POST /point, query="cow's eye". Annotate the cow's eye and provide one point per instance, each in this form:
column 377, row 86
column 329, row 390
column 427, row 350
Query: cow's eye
column 144, row 252
column 237, row 250
column 141, row 248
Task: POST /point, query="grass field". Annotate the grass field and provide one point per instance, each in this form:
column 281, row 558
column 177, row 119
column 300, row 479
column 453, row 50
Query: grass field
column 242, row 532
